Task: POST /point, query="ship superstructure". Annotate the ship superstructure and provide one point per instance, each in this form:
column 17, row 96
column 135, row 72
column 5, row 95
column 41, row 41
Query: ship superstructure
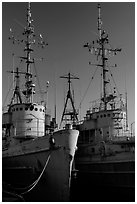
column 34, row 155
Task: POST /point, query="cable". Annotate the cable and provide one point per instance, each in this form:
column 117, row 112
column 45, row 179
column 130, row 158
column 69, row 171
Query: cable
column 38, row 82
column 114, row 80
column 8, row 93
column 87, row 88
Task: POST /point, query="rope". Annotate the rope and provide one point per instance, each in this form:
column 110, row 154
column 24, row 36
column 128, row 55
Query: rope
column 31, row 186
column 13, row 194
column 36, row 182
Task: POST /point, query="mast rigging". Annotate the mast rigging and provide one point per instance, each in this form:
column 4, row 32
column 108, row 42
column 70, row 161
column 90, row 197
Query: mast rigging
column 102, row 51
column 29, row 41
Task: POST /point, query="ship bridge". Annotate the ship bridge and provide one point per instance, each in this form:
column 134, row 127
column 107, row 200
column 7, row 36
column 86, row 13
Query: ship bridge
column 114, row 103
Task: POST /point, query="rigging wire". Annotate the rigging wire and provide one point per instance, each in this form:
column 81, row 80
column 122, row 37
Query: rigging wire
column 8, row 92
column 72, row 88
column 42, row 99
column 113, row 80
column 87, row 88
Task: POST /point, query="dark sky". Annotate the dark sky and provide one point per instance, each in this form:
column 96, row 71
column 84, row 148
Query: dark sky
column 67, row 26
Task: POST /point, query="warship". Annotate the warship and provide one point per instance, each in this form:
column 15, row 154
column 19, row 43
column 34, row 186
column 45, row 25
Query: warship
column 106, row 147
column 37, row 156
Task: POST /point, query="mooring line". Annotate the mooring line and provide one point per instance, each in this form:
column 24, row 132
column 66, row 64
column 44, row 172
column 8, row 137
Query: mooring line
column 31, row 186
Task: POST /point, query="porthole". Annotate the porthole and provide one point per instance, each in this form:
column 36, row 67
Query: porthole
column 31, row 108
column 21, row 109
column 26, row 108
column 16, row 109
column 36, row 109
column 40, row 109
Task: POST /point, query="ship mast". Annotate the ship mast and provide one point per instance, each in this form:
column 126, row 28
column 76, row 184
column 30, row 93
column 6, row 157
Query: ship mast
column 102, row 51
column 102, row 41
column 29, row 32
column 29, row 41
column 73, row 113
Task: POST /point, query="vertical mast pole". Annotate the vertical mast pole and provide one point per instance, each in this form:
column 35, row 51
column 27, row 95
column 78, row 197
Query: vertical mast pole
column 29, row 31
column 55, row 109
column 102, row 41
column 101, row 51
column 99, row 21
column 13, row 71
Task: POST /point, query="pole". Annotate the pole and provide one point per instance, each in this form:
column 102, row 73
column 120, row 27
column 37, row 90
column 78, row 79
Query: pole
column 47, row 86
